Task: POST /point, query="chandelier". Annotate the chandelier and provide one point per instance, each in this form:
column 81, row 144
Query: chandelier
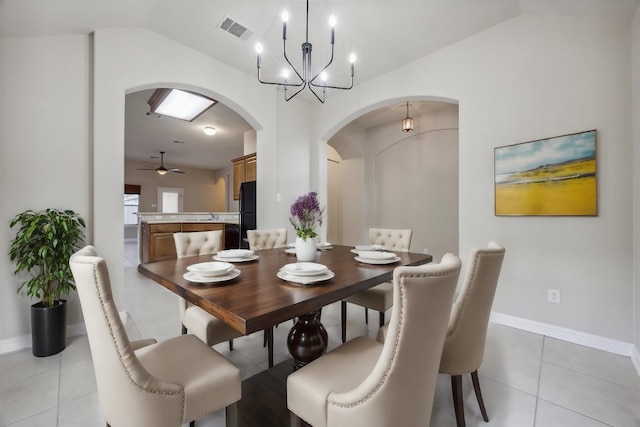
column 306, row 78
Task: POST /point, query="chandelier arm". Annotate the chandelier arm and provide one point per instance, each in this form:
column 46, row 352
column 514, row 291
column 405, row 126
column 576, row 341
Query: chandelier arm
column 279, row 83
column 297, row 92
column 333, row 87
column 324, row 68
column 284, row 51
column 312, row 84
column 316, row 95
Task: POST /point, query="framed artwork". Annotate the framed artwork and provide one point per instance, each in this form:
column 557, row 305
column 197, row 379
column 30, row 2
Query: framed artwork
column 553, row 177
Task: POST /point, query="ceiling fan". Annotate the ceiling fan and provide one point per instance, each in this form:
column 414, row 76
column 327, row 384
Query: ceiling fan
column 161, row 169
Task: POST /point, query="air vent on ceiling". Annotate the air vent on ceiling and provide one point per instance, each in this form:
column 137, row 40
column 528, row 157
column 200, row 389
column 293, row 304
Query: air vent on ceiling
column 231, row 26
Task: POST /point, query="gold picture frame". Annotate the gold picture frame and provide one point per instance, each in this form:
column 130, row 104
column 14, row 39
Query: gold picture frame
column 547, row 177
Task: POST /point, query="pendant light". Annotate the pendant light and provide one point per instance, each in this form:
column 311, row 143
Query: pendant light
column 407, row 123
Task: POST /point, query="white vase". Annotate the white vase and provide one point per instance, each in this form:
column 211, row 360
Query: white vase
column 305, row 249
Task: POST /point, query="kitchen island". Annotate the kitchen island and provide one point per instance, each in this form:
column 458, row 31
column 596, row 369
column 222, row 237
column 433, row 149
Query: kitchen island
column 155, row 231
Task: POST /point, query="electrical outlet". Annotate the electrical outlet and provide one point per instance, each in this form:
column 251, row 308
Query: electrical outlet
column 278, row 198
column 553, row 295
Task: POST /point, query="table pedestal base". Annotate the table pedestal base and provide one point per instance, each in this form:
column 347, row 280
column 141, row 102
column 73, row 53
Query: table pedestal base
column 308, row 339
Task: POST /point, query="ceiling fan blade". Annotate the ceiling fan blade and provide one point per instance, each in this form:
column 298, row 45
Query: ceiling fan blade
column 161, row 169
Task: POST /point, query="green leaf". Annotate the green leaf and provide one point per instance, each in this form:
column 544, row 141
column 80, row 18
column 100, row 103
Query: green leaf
column 43, row 244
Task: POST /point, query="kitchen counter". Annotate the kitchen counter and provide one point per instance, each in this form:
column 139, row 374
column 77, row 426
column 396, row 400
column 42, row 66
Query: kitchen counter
column 200, row 221
column 213, row 217
column 156, row 236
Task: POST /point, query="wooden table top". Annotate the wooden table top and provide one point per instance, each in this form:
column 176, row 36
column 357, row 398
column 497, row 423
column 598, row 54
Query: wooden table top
column 258, row 299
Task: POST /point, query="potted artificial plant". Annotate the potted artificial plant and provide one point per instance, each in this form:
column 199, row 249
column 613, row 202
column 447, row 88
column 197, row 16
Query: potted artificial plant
column 43, row 245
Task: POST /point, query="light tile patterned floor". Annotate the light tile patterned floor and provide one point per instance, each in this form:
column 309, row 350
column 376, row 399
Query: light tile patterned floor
column 527, row 380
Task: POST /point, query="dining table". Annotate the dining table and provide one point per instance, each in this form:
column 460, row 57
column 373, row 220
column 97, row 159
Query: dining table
column 258, row 299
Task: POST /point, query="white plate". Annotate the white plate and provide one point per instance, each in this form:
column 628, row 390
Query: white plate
column 307, row 280
column 369, row 247
column 290, row 251
column 210, row 269
column 304, row 269
column 377, row 261
column 244, row 259
column 324, row 246
column 195, row 278
column 235, row 253
column 376, row 254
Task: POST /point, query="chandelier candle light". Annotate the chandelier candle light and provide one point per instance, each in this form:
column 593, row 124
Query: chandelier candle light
column 306, row 216
column 306, row 79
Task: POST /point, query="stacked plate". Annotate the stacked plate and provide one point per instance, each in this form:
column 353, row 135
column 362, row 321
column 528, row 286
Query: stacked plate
column 305, row 273
column 236, row 255
column 376, row 257
column 368, row 248
column 211, row 272
column 322, row 246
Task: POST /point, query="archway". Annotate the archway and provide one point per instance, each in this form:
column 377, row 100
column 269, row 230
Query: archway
column 392, row 179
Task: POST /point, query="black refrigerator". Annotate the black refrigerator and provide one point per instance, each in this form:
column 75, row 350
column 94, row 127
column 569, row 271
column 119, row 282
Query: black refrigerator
column 247, row 211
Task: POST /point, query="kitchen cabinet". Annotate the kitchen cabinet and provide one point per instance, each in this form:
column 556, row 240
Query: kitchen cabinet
column 244, row 169
column 157, row 239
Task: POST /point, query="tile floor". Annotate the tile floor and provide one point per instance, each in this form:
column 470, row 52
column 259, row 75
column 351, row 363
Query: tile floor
column 527, row 379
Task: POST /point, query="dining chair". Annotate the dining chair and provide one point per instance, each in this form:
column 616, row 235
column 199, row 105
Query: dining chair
column 205, row 326
column 147, row 383
column 467, row 331
column 379, row 297
column 466, row 336
column 267, row 239
column 367, row 383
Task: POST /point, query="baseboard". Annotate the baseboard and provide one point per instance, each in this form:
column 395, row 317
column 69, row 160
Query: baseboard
column 21, row 342
column 588, row 340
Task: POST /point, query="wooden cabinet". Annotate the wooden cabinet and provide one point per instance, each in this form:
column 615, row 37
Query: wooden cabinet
column 199, row 226
column 157, row 239
column 244, row 169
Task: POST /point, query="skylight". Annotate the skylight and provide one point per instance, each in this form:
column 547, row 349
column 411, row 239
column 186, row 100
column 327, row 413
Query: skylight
column 179, row 104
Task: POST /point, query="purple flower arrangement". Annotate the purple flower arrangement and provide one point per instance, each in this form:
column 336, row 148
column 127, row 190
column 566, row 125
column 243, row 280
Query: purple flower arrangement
column 306, row 215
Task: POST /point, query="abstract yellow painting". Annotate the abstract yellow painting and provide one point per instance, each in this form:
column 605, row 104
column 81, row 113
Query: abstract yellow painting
column 554, row 176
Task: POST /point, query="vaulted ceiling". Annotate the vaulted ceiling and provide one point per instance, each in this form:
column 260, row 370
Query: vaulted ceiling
column 384, row 35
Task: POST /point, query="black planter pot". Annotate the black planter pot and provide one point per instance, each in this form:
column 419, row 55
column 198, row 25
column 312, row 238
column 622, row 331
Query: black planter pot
column 48, row 328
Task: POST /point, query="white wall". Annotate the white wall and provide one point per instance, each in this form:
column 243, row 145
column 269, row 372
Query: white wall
column 534, row 77
column 291, row 166
column 45, row 149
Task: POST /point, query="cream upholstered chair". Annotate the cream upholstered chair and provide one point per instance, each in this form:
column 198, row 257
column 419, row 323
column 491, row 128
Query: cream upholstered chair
column 464, row 345
column 267, row 239
column 161, row 384
column 208, row 328
column 380, row 297
column 365, row 383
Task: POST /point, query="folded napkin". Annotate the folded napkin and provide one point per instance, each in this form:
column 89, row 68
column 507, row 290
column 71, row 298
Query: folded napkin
column 235, row 253
column 376, row 255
